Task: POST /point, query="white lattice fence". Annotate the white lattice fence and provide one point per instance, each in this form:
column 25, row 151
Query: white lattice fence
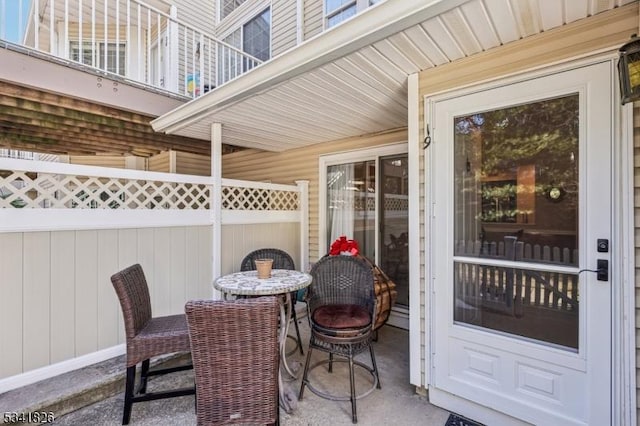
column 36, row 195
column 20, row 189
column 245, row 198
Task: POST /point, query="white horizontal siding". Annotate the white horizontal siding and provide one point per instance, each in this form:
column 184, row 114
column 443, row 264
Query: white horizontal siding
column 313, row 18
column 284, row 25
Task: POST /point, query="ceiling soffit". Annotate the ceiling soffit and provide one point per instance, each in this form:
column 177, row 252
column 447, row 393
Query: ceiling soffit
column 364, row 90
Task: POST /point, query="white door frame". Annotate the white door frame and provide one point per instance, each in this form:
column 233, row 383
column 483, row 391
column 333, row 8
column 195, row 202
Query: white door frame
column 623, row 289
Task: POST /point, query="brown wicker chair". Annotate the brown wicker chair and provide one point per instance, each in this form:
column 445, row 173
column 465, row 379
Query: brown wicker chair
column 236, row 359
column 281, row 260
column 147, row 337
column 342, row 309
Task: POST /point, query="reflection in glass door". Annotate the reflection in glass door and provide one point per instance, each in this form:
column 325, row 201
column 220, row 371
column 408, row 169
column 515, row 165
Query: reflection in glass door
column 368, row 201
column 394, row 223
column 516, row 200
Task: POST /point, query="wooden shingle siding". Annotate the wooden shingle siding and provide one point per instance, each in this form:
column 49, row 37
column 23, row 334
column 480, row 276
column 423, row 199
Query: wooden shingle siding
column 299, row 164
column 57, row 299
column 608, row 30
column 313, row 18
column 283, row 25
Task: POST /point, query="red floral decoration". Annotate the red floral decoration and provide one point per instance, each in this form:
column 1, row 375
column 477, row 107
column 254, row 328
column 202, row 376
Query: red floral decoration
column 344, row 246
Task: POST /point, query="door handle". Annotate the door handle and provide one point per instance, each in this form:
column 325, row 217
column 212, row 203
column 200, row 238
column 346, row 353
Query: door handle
column 603, row 270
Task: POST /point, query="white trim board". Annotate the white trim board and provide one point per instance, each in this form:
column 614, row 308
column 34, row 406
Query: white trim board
column 53, row 370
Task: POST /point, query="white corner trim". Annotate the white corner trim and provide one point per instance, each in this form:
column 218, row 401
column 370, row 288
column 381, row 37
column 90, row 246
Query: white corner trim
column 53, row 370
column 415, row 284
column 624, row 361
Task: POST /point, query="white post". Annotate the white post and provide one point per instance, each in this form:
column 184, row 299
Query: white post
column 303, row 198
column 414, row 153
column 173, row 63
column 216, row 201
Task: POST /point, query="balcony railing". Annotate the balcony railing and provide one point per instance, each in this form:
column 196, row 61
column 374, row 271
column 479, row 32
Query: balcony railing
column 126, row 38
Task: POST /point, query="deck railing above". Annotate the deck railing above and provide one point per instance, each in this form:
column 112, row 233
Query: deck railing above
column 126, row 38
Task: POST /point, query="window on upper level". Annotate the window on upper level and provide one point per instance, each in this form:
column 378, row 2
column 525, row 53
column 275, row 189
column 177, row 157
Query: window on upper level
column 86, row 55
column 337, row 11
column 228, row 6
column 254, row 38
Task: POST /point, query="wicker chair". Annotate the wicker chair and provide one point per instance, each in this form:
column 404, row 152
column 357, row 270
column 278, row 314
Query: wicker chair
column 281, row 260
column 147, row 337
column 342, row 309
column 236, row 358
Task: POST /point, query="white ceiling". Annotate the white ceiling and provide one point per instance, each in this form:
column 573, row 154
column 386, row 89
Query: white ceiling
column 351, row 80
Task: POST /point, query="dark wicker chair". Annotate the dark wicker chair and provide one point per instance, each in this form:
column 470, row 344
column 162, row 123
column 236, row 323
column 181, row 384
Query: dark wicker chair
column 236, row 358
column 281, row 260
column 147, row 337
column 342, row 309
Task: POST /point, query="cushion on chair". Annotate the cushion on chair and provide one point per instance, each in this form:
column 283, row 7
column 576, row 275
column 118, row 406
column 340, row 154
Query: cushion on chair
column 341, row 316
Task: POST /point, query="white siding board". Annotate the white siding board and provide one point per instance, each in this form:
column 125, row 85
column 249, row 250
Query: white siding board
column 381, row 62
column 127, row 256
column 232, row 248
column 410, row 51
column 192, row 261
column 438, row 31
column 108, row 304
column 459, row 28
column 305, row 102
column 283, row 28
column 390, row 94
column 62, row 296
column 501, row 14
column 145, row 255
column 395, row 55
column 373, row 92
column 162, row 266
column 36, row 293
column 551, row 13
column 11, row 303
column 313, row 18
column 177, row 290
column 479, row 22
column 59, row 302
column 576, row 9
column 86, row 308
column 205, row 257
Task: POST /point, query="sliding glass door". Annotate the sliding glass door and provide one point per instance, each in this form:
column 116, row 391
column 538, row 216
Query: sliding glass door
column 366, row 199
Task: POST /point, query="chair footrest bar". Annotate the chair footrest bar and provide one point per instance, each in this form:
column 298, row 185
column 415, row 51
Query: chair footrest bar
column 331, row 397
column 158, row 371
column 151, row 396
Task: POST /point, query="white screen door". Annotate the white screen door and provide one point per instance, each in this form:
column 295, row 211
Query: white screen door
column 521, row 197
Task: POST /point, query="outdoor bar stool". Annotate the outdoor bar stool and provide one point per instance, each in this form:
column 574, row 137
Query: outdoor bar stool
column 236, row 357
column 342, row 309
column 147, row 337
column 281, row 260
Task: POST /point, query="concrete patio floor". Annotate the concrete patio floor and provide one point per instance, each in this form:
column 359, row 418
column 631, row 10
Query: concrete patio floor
column 397, row 403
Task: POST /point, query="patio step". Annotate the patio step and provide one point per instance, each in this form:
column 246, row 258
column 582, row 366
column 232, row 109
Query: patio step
column 74, row 390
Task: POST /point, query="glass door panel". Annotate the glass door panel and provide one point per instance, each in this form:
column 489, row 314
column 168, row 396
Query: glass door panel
column 516, row 203
column 351, row 192
column 394, row 223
